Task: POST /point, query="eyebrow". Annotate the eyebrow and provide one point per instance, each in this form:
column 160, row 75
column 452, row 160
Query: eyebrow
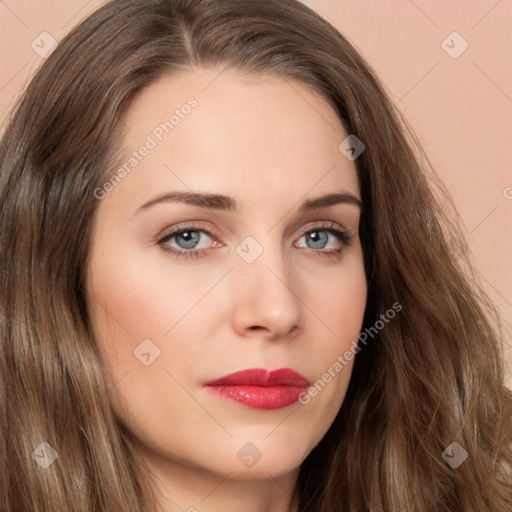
column 226, row 203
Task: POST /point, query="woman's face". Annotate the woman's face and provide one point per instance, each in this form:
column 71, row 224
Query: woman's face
column 242, row 287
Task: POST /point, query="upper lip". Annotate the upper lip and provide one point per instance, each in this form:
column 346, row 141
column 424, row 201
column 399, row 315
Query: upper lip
column 261, row 377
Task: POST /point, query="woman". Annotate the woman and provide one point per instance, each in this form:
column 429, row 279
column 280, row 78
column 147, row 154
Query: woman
column 228, row 284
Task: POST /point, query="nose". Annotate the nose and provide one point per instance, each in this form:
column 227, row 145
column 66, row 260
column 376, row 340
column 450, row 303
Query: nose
column 266, row 298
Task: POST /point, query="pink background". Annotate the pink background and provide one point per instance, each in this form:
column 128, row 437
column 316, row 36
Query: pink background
column 459, row 105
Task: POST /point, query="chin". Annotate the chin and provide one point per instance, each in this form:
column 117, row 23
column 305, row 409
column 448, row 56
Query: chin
column 259, row 459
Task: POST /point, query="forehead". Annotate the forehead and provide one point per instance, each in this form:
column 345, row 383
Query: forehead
column 237, row 134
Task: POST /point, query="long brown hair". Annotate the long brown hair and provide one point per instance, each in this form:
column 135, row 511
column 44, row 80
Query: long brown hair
column 432, row 377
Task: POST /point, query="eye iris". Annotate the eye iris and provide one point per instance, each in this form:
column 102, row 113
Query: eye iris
column 190, row 237
column 320, row 236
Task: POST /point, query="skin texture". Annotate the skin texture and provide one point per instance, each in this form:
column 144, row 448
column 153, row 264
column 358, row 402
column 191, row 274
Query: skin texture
column 270, row 144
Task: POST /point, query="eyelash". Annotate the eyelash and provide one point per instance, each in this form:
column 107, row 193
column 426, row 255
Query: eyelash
column 343, row 236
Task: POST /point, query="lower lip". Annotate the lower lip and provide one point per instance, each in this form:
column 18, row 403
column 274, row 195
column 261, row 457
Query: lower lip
column 259, row 397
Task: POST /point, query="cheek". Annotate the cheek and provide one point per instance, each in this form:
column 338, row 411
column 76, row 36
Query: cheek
column 339, row 303
column 145, row 300
column 140, row 322
column 344, row 309
column 339, row 306
column 154, row 308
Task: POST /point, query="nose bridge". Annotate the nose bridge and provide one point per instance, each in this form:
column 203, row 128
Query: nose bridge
column 266, row 286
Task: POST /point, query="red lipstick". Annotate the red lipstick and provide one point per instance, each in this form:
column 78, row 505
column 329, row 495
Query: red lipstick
column 259, row 388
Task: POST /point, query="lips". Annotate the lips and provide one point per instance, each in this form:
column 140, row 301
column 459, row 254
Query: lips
column 259, row 388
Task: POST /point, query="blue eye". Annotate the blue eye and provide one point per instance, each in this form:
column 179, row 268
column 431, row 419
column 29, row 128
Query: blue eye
column 320, row 237
column 188, row 237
